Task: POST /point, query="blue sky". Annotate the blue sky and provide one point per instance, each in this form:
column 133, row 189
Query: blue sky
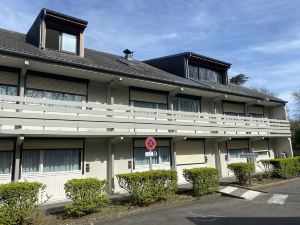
column 261, row 38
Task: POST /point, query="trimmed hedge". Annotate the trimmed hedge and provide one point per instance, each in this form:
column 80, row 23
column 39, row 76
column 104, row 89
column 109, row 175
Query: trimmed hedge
column 88, row 195
column 204, row 180
column 150, row 186
column 242, row 171
column 284, row 167
column 18, row 201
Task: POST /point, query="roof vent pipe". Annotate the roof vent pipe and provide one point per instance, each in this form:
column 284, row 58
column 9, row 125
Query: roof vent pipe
column 128, row 54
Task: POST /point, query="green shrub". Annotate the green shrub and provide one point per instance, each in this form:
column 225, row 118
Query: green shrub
column 285, row 167
column 88, row 195
column 150, row 186
column 204, row 180
column 18, row 201
column 242, row 171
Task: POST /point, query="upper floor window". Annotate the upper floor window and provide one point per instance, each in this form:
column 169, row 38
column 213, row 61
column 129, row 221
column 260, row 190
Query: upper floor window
column 8, row 89
column 200, row 73
column 233, row 108
column 186, row 104
column 61, row 41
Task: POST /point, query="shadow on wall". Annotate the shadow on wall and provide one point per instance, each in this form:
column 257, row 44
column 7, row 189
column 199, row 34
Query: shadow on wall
column 218, row 220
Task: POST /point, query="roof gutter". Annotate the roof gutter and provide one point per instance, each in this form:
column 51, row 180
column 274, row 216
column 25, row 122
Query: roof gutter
column 114, row 72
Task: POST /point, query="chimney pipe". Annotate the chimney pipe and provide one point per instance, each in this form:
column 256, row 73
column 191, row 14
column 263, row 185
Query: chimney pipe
column 128, row 54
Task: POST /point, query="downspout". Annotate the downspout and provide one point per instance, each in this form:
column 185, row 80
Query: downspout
column 42, row 30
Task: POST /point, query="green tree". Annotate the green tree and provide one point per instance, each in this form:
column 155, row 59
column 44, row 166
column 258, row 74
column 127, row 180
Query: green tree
column 239, row 79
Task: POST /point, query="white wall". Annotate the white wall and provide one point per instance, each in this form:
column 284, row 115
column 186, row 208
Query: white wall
column 96, row 157
column 123, row 154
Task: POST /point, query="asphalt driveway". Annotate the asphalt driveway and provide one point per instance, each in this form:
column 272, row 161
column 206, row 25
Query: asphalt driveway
column 225, row 210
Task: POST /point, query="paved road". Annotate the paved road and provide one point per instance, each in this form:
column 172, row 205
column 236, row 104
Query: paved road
column 224, row 210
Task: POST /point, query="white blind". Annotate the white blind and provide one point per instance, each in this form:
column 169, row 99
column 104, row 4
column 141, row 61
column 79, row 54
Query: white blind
column 261, row 145
column 237, row 144
column 256, row 109
column 7, row 145
column 148, row 97
column 9, row 77
column 235, row 108
column 51, row 84
column 188, row 152
column 53, row 144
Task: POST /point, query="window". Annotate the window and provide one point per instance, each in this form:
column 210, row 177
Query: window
column 51, row 160
column 149, row 105
column 61, row 41
column 200, row 73
column 61, row 160
column 234, row 114
column 30, row 161
column 255, row 115
column 262, row 154
column 186, row 104
column 5, row 162
column 8, row 90
column 69, row 43
column 233, row 108
column 55, row 95
column 163, row 156
column 235, row 153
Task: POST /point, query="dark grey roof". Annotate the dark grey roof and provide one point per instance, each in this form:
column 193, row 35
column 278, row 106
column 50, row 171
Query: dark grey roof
column 14, row 43
column 189, row 54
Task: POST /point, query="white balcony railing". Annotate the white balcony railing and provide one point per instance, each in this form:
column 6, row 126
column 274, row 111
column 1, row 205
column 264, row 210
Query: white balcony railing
column 35, row 116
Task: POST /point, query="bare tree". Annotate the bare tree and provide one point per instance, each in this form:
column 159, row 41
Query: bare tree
column 265, row 91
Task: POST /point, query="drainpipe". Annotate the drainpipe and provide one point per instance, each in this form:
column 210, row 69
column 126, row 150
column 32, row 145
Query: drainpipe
column 42, row 30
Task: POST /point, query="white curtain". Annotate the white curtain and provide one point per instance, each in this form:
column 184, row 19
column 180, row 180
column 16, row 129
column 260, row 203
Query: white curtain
column 61, row 160
column 186, row 104
column 5, row 162
column 30, row 161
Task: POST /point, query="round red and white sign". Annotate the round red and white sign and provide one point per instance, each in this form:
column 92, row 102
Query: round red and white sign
column 150, row 143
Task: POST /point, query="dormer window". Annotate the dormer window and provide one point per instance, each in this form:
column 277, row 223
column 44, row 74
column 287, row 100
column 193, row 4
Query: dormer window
column 199, row 73
column 57, row 31
column 69, row 43
column 61, row 41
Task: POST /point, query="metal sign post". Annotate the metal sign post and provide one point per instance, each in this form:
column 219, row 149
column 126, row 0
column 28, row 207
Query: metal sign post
column 150, row 145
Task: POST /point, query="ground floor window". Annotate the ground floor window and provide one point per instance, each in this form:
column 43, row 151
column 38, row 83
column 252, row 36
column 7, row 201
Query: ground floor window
column 262, row 154
column 235, row 153
column 5, row 162
column 163, row 156
column 162, row 148
column 51, row 160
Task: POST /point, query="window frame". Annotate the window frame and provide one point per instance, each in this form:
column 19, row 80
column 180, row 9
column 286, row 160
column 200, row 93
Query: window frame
column 220, row 73
column 11, row 163
column 12, row 86
column 60, row 41
column 59, row 92
column 41, row 160
column 158, row 145
column 189, row 97
column 234, row 113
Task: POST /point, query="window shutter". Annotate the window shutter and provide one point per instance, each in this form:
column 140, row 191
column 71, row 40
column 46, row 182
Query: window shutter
column 144, row 96
column 52, row 84
column 190, row 152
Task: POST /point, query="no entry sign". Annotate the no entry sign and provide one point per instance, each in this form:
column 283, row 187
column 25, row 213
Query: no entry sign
column 150, row 143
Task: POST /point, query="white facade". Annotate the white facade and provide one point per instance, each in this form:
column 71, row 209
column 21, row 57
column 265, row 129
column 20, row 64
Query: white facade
column 60, row 121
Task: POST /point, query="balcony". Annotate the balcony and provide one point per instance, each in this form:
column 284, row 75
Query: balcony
column 43, row 117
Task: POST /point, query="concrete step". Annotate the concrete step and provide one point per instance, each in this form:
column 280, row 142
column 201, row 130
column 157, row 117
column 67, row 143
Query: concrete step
column 238, row 192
